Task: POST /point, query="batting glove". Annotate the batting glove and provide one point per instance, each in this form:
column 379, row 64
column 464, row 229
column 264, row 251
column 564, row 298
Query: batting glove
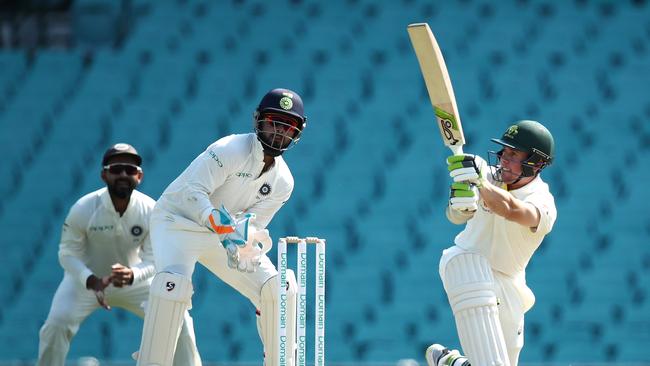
column 468, row 168
column 463, row 197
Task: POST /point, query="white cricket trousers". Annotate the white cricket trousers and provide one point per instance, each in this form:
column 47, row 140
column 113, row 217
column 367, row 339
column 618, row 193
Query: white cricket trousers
column 176, row 250
column 72, row 303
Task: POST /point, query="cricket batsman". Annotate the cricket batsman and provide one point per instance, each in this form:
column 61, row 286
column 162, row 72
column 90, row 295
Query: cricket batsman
column 507, row 210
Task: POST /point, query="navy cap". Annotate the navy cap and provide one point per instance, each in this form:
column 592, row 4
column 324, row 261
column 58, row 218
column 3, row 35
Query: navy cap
column 121, row 149
column 283, row 101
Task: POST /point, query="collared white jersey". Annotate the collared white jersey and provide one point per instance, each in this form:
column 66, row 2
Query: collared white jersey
column 228, row 173
column 507, row 245
column 95, row 236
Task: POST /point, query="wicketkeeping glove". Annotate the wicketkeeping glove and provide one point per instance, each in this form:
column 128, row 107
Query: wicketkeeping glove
column 468, row 168
column 463, row 197
column 220, row 221
column 247, row 257
column 244, row 244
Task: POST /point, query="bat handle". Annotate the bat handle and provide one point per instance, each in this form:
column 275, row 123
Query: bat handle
column 457, row 150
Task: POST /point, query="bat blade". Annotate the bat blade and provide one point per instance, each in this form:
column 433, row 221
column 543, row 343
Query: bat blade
column 438, row 83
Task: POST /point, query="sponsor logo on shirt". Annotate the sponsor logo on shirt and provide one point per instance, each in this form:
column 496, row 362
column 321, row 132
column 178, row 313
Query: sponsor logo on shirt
column 101, row 228
column 214, row 157
column 243, row 175
column 136, row 230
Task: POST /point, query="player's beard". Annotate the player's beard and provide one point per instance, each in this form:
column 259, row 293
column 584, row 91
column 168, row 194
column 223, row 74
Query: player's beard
column 274, row 144
column 278, row 140
column 121, row 188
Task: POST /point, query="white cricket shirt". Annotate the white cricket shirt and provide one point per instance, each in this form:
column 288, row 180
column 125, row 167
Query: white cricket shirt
column 507, row 245
column 228, row 173
column 94, row 237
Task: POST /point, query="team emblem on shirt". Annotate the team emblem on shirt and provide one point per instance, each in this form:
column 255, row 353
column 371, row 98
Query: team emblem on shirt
column 265, row 189
column 136, row 230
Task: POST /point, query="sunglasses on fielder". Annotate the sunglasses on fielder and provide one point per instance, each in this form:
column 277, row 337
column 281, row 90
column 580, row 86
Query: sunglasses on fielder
column 118, row 168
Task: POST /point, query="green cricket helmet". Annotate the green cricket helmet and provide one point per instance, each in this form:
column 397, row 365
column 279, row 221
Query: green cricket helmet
column 533, row 138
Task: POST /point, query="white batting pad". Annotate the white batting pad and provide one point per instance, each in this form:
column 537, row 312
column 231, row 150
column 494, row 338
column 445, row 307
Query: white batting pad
column 268, row 322
column 169, row 298
column 470, row 286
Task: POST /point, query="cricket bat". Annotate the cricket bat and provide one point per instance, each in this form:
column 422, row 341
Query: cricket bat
column 436, row 78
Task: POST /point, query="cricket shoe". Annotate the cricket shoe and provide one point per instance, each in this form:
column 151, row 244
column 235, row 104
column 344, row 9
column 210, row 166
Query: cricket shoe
column 439, row 355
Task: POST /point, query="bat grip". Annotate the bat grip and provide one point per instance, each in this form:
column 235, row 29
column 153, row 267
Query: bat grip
column 457, row 150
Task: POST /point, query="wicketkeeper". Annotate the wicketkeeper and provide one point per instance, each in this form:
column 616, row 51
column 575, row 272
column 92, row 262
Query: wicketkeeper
column 215, row 213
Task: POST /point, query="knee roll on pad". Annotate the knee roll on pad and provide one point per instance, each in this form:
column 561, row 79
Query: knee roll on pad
column 268, row 326
column 169, row 297
column 470, row 287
